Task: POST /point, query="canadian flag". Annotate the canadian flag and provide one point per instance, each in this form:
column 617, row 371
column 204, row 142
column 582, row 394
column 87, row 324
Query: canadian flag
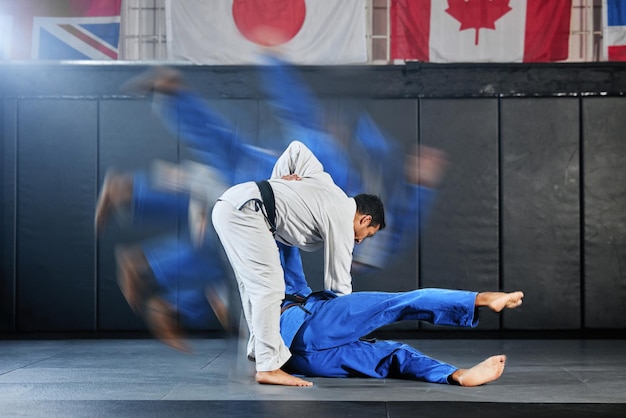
column 480, row 30
column 233, row 31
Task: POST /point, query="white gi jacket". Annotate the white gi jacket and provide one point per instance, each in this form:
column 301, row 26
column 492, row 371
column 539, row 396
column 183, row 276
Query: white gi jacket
column 310, row 213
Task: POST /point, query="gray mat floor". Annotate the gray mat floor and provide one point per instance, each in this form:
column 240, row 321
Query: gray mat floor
column 37, row 376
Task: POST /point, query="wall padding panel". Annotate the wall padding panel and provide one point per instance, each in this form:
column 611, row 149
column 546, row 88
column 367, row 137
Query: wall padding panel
column 605, row 212
column 396, row 119
column 459, row 246
column 55, row 238
column 8, row 143
column 541, row 211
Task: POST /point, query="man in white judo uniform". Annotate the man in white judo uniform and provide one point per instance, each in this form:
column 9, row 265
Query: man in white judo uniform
column 299, row 206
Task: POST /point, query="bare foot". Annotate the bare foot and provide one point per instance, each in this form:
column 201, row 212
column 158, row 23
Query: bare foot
column 497, row 301
column 484, row 372
column 116, row 191
column 161, row 319
column 279, row 377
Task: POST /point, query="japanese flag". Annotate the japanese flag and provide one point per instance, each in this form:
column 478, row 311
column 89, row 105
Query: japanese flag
column 214, row 32
column 480, row 30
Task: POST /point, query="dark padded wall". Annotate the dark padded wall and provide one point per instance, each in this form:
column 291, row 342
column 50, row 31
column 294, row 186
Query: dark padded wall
column 541, row 211
column 56, row 153
column 8, row 135
column 604, row 151
column 512, row 212
column 460, row 240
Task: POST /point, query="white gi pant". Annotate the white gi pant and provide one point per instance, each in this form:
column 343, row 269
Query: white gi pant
column 254, row 257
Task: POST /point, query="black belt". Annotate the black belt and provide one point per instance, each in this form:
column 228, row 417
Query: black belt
column 291, row 305
column 295, row 301
column 267, row 195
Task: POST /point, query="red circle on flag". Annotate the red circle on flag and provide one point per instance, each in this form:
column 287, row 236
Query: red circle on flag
column 269, row 22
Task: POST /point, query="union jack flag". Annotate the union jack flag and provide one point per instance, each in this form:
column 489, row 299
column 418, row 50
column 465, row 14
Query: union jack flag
column 75, row 38
column 59, row 29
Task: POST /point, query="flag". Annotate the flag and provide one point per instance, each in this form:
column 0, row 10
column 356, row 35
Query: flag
column 614, row 30
column 77, row 38
column 232, row 31
column 480, row 30
column 61, row 29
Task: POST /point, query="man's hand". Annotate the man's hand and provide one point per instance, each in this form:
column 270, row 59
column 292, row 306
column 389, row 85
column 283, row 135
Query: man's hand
column 291, row 177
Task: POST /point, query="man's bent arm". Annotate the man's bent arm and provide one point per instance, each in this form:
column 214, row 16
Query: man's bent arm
column 297, row 159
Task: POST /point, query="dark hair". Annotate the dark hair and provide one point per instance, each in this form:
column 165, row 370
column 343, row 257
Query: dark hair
column 368, row 204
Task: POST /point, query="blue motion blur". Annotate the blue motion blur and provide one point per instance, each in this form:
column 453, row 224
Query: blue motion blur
column 184, row 270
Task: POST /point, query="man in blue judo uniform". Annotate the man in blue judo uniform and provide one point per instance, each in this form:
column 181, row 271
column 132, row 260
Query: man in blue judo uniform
column 325, row 333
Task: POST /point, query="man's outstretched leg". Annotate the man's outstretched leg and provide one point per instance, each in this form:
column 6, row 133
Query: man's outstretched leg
column 390, row 359
column 334, row 324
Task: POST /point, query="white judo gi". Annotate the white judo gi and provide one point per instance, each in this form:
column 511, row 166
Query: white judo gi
column 311, row 213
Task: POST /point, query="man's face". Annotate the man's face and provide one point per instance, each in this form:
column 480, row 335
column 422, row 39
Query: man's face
column 363, row 229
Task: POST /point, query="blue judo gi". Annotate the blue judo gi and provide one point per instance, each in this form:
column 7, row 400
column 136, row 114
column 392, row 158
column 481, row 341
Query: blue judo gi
column 325, row 332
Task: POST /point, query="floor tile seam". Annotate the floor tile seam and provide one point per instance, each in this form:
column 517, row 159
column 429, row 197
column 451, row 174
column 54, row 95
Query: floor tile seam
column 171, row 390
column 27, row 365
column 583, row 381
column 212, row 360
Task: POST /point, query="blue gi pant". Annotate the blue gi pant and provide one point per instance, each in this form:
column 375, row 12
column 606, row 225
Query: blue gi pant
column 327, row 341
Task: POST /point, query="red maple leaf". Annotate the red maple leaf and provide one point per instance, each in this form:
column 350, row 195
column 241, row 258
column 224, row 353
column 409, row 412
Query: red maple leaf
column 478, row 14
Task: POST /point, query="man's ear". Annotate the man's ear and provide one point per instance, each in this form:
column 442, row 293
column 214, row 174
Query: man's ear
column 366, row 220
